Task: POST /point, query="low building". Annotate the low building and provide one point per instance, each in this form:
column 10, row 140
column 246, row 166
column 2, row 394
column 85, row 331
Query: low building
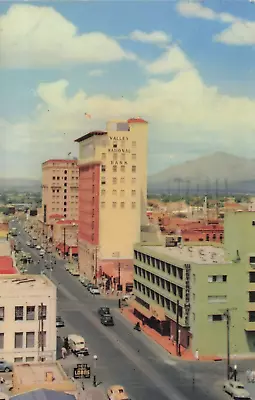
column 45, row 394
column 28, row 318
column 51, row 376
column 185, row 291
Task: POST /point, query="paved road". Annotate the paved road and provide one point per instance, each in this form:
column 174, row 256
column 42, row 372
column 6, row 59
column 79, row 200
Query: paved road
column 124, row 356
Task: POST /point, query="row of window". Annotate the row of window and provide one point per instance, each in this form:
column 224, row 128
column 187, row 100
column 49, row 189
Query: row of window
column 161, row 300
column 122, row 168
column 115, row 192
column 160, row 282
column 26, row 313
column 76, row 171
column 115, row 204
column 217, row 278
column 26, row 340
column 170, row 269
column 114, row 179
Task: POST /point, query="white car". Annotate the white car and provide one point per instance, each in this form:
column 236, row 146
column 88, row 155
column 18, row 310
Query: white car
column 236, row 390
column 42, row 252
column 94, row 290
column 38, row 247
column 28, row 244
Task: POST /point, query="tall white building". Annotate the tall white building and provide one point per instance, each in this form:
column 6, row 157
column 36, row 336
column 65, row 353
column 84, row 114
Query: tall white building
column 112, row 195
column 27, row 318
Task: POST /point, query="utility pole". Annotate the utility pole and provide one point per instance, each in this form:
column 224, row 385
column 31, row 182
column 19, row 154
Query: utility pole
column 95, row 271
column 228, row 319
column 119, row 274
column 64, row 243
column 177, row 328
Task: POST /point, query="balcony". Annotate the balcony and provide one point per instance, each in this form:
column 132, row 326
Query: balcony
column 250, row 326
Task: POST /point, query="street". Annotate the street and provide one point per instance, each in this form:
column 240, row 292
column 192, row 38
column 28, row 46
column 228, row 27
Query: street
column 124, row 356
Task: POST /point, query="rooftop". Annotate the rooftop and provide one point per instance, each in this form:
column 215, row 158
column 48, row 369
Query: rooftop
column 138, row 120
column 9, row 284
column 27, row 374
column 192, row 254
column 90, row 134
column 60, row 161
column 43, row 394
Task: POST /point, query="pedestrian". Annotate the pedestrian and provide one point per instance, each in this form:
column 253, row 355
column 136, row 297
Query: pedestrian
column 197, row 355
column 2, row 380
column 63, row 352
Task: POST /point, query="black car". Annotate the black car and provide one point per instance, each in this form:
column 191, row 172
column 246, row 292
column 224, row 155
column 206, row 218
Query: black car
column 104, row 311
column 59, row 322
column 107, row 320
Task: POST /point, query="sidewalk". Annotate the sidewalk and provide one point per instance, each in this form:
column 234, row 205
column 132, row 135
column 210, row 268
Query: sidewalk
column 163, row 341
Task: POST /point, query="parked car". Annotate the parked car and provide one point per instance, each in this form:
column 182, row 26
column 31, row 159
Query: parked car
column 59, row 322
column 236, row 390
column 94, row 290
column 38, row 247
column 107, row 320
column 28, row 244
column 104, row 311
column 77, row 345
column 117, row 392
column 89, row 285
column 42, row 252
column 5, row 366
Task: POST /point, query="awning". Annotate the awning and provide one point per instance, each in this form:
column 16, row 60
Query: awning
column 61, row 248
column 74, row 250
column 144, row 311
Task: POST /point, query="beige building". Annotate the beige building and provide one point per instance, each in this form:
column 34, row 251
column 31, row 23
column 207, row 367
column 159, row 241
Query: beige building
column 112, row 195
column 51, row 376
column 28, row 318
column 59, row 189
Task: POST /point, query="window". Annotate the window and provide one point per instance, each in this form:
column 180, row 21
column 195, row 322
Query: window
column 253, row 223
column 133, row 192
column 217, row 299
column 18, row 340
column 122, row 193
column 103, row 156
column 133, row 156
column 252, row 297
column 103, row 168
column 217, row 278
column 1, row 340
column 252, row 260
column 115, row 145
column 122, row 180
column 134, row 144
column 122, row 168
column 42, row 339
column 122, row 204
column 30, row 359
column 30, row 313
column 133, row 168
column 102, row 192
column 114, row 168
column 114, row 192
column 251, row 316
column 19, row 313
column 133, row 180
column 114, row 204
column 216, row 317
column 30, row 339
column 114, row 180
column 42, row 312
column 1, row 313
column 18, row 359
column 65, row 171
column 252, row 277
column 103, row 181
column 133, row 204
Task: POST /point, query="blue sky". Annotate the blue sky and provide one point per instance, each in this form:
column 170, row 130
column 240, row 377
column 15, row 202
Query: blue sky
column 193, row 80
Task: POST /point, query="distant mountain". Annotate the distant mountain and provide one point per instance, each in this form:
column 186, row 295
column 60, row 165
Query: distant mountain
column 20, row 184
column 231, row 173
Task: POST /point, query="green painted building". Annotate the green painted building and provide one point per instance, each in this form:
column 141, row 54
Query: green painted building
column 205, row 280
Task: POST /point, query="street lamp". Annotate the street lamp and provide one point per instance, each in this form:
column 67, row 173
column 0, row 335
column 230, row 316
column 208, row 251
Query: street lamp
column 95, row 365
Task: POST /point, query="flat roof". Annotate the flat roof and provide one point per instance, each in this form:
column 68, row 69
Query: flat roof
column 192, row 254
column 23, row 283
column 27, row 374
column 61, row 160
column 90, row 134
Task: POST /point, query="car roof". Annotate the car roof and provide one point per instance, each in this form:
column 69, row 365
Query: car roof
column 116, row 387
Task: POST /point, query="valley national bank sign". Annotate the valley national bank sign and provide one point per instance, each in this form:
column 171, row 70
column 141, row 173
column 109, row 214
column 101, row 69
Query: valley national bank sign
column 114, row 148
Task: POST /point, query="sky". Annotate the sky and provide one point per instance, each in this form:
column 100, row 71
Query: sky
column 188, row 68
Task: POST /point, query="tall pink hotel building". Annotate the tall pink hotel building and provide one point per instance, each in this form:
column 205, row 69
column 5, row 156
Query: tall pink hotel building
column 112, row 198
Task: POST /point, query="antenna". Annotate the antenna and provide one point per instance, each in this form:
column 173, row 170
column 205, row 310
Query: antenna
column 226, row 187
column 207, row 190
column 187, row 187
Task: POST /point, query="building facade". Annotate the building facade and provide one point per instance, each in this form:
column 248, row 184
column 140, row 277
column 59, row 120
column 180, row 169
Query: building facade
column 28, row 318
column 206, row 281
column 112, row 196
column 60, row 182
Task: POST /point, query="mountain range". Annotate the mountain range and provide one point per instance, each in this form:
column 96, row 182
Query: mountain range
column 219, row 171
column 20, row 184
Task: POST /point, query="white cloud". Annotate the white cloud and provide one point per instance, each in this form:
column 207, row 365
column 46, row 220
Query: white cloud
column 96, row 72
column 180, row 109
column 195, row 10
column 34, row 36
column 172, row 60
column 240, row 33
column 156, row 37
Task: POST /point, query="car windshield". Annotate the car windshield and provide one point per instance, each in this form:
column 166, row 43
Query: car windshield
column 106, row 310
column 108, row 317
column 240, row 387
